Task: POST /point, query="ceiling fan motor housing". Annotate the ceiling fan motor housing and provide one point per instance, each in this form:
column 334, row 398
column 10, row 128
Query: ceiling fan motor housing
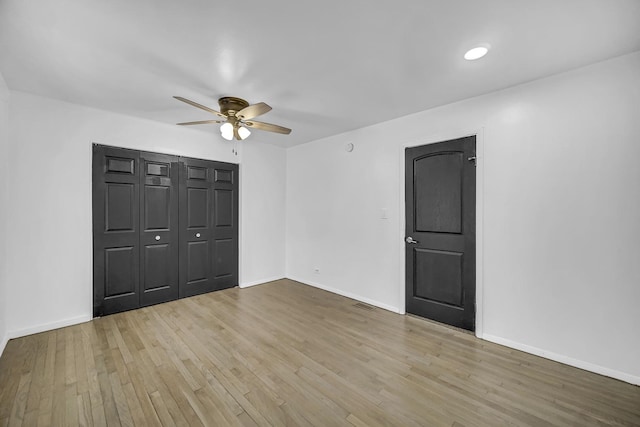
column 230, row 105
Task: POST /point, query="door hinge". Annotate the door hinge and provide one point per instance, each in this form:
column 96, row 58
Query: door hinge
column 474, row 160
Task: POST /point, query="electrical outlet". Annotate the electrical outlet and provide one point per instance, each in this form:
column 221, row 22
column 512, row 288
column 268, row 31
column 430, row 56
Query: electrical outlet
column 316, row 270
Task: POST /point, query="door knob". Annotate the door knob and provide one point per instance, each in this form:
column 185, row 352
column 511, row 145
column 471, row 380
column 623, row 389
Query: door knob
column 198, row 235
column 410, row 240
column 157, row 237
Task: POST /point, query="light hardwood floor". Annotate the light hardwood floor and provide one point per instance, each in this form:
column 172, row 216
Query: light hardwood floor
column 289, row 354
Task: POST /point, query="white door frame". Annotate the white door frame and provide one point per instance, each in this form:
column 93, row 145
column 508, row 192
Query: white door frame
column 432, row 139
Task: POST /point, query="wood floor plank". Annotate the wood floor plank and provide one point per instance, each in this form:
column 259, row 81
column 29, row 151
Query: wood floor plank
column 161, row 409
column 58, row 392
column 91, row 350
column 85, row 417
column 106, row 393
column 135, row 410
column 288, row 354
column 37, row 381
column 71, row 405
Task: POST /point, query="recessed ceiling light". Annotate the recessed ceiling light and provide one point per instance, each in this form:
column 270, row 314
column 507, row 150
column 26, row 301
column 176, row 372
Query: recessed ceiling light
column 476, row 53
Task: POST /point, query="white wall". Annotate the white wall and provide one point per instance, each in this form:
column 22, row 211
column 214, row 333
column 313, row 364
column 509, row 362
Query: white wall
column 4, row 201
column 49, row 181
column 262, row 213
column 561, row 196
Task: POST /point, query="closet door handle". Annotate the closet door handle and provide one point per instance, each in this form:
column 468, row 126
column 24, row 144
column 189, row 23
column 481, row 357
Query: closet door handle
column 198, row 235
column 158, row 237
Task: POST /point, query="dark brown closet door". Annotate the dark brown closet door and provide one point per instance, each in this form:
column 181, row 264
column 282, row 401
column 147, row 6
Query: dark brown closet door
column 208, row 226
column 159, row 236
column 195, row 228
column 135, row 229
column 164, row 228
column 225, row 225
column 116, row 231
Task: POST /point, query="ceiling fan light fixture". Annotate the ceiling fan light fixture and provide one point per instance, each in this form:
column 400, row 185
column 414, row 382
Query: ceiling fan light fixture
column 237, row 113
column 227, row 131
column 243, row 132
column 476, row 53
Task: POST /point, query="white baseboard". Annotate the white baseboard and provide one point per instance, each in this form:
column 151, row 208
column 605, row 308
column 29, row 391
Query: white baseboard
column 349, row 295
column 587, row 366
column 259, row 282
column 48, row 326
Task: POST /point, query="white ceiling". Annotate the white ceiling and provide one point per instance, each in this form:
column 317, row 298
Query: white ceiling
column 325, row 67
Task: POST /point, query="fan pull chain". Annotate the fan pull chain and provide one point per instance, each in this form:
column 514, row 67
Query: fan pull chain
column 235, row 147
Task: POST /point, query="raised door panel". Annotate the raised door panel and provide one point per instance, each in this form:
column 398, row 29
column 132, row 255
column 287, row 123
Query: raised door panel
column 224, row 175
column 120, row 207
column 197, row 208
column 438, row 276
column 157, row 267
column 197, row 262
column 124, row 165
column 197, row 173
column 157, row 213
column 223, row 208
column 438, row 198
column 224, row 258
column 121, row 275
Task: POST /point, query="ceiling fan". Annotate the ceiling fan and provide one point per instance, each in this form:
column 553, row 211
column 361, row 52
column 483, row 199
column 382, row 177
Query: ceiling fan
column 237, row 115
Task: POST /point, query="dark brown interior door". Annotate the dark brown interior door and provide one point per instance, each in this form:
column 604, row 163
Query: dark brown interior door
column 440, row 231
column 159, row 228
column 116, row 231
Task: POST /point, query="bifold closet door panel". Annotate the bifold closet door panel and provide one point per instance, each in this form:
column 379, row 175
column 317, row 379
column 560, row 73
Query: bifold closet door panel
column 159, row 235
column 196, row 204
column 116, row 231
column 225, row 225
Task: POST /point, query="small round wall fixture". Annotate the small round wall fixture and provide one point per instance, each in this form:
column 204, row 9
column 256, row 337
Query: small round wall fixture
column 349, row 147
column 476, row 53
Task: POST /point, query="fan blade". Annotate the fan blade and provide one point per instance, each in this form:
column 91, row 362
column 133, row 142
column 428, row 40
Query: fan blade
column 252, row 111
column 268, row 127
column 202, row 107
column 200, row 122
